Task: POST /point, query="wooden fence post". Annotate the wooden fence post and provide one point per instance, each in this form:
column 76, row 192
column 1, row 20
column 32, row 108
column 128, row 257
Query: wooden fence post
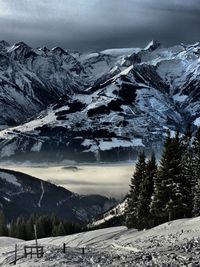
column 36, row 241
column 64, row 247
column 25, row 255
column 15, row 254
column 35, row 233
column 83, row 251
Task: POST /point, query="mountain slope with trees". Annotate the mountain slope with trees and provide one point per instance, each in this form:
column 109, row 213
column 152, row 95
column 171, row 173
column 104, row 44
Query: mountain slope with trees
column 23, row 195
column 161, row 191
column 103, row 106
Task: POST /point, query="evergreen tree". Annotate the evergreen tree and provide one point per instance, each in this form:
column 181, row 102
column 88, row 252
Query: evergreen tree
column 188, row 165
column 40, row 223
column 196, row 192
column 12, row 230
column 71, row 227
column 169, row 200
column 47, row 221
column 60, row 230
column 3, row 227
column 21, row 228
column 146, row 192
column 181, row 184
column 196, row 204
column 54, row 230
column 131, row 213
column 160, row 190
column 30, row 227
column 46, row 226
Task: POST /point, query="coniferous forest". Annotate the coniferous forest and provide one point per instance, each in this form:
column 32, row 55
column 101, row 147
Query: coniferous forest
column 168, row 190
column 47, row 226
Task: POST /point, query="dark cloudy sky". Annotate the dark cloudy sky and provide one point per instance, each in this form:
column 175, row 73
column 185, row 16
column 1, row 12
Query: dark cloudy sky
column 99, row 24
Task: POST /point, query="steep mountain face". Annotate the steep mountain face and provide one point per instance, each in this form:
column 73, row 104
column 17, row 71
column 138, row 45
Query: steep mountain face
column 31, row 79
column 95, row 107
column 22, row 195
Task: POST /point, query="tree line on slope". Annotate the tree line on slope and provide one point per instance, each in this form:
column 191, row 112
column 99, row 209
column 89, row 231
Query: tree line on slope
column 47, row 226
column 170, row 190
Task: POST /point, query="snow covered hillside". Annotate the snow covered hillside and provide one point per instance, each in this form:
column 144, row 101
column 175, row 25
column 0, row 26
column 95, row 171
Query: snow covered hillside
column 23, row 195
column 102, row 106
column 175, row 243
column 112, row 217
column 5, row 241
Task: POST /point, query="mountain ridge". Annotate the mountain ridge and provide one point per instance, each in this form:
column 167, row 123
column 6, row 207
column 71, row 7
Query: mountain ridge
column 103, row 106
column 23, row 195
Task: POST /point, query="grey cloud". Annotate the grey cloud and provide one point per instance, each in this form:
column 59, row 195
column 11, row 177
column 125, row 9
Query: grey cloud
column 99, row 24
column 82, row 183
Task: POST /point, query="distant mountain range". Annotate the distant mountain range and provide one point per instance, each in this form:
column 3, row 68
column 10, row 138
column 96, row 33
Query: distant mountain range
column 103, row 106
column 22, row 195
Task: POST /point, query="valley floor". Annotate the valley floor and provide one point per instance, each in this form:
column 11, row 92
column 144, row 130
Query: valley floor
column 172, row 244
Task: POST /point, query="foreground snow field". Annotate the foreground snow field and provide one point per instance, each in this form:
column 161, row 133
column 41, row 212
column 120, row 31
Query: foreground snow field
column 174, row 244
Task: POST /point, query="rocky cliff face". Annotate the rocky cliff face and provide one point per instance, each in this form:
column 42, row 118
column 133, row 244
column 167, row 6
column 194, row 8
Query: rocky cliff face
column 104, row 106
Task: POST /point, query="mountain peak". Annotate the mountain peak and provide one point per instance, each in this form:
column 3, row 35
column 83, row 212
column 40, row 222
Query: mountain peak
column 19, row 50
column 58, row 50
column 21, row 44
column 44, row 49
column 153, row 45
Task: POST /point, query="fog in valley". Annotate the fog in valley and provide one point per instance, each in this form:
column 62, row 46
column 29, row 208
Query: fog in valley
column 105, row 179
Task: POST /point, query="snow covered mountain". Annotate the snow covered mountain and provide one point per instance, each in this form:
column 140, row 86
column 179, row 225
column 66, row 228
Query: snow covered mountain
column 110, row 218
column 174, row 243
column 23, row 195
column 102, row 106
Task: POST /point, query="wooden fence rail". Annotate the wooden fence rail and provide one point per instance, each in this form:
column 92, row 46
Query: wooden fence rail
column 28, row 250
column 39, row 251
column 82, row 249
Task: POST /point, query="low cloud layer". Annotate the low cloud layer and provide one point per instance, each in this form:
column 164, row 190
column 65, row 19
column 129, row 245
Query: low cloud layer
column 98, row 24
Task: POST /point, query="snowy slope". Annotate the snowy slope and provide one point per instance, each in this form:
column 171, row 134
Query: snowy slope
column 171, row 244
column 23, row 195
column 8, row 241
column 102, row 106
column 112, row 217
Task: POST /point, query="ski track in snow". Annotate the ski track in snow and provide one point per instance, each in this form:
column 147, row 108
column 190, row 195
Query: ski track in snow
column 41, row 197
